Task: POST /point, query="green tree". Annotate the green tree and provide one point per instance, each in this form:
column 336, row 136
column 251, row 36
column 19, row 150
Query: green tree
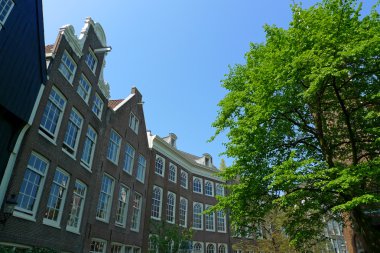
column 302, row 117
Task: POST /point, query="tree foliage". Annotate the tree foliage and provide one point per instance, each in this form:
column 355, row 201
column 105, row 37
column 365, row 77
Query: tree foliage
column 302, row 117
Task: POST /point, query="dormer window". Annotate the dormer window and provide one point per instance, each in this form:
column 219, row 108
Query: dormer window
column 207, row 161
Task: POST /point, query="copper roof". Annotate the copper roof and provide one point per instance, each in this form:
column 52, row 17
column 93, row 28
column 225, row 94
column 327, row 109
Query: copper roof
column 113, row 103
column 49, row 48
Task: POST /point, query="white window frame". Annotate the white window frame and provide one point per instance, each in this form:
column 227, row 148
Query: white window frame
column 134, row 123
column 225, row 248
column 72, row 151
column 2, row 22
column 23, row 212
column 89, row 140
column 156, row 214
column 213, row 219
column 128, row 166
column 175, row 173
column 81, row 90
column 158, row 158
column 117, row 245
column 186, row 211
column 212, row 188
column 213, row 244
column 65, row 67
column 200, row 243
column 42, row 129
column 65, row 185
column 187, row 179
column 141, row 168
column 136, row 208
column 173, row 208
column 124, row 202
column 200, row 184
column 92, row 54
column 77, row 196
column 114, row 145
column 109, row 196
column 97, row 108
column 217, row 185
column 224, row 222
column 201, row 213
column 96, row 240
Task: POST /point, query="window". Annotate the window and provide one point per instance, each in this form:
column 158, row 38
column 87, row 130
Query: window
column 98, row 246
column 134, row 123
column 210, row 220
column 114, row 147
column 221, row 221
column 160, row 165
column 170, row 208
column 5, row 8
column 74, row 127
column 32, row 185
column 219, row 190
column 222, row 249
column 197, row 216
column 97, row 106
column 197, row 185
column 76, row 207
column 129, row 158
column 105, row 199
column 56, row 199
column 183, row 212
column 91, row 60
column 117, row 248
column 156, row 202
column 136, row 212
column 152, row 244
column 209, row 188
column 184, row 179
column 67, row 67
column 89, row 147
column 136, row 250
column 210, row 248
column 141, row 166
column 51, row 119
column 198, row 247
column 172, row 173
column 122, row 207
column 84, row 88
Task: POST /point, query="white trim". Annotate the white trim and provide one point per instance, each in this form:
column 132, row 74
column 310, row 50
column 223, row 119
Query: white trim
column 202, row 218
column 125, row 216
column 187, row 210
column 77, row 229
column 211, row 243
column 225, row 247
column 109, row 206
column 201, row 184
column 201, row 243
column 123, row 102
column 174, row 206
column 187, row 179
column 163, row 166
column 175, row 173
column 212, row 188
column 160, row 204
column 101, row 241
column 213, row 219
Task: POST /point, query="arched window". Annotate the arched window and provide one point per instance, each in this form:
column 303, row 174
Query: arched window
column 219, row 190
column 197, row 216
column 170, row 208
column 210, row 248
column 156, row 202
column 222, row 249
column 197, row 185
column 159, row 166
column 209, row 188
column 197, row 247
column 183, row 212
column 172, row 173
column 184, row 179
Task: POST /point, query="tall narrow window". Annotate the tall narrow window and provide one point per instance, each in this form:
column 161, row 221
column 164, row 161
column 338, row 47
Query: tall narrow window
column 221, row 221
column 209, row 188
column 219, row 190
column 210, row 220
column 74, row 127
column 197, row 216
column 129, row 158
column 122, row 208
column 51, row 119
column 56, row 199
column 159, row 166
column 114, row 147
column 98, row 246
column 105, row 199
column 91, row 60
column 210, row 248
column 5, row 9
column 89, row 147
column 32, row 185
column 183, row 212
column 97, row 106
column 197, row 185
column 141, row 169
column 134, row 123
column 67, row 67
column 170, row 208
column 136, row 212
column 76, row 207
column 172, row 173
column 184, row 179
column 156, row 202
column 84, row 88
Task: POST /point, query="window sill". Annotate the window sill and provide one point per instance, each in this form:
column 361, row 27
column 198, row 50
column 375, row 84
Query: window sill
column 72, row 230
column 84, row 165
column 70, row 155
column 24, row 216
column 50, row 223
column 47, row 137
column 197, row 228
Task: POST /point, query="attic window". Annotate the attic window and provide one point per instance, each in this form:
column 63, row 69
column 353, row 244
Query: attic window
column 207, row 161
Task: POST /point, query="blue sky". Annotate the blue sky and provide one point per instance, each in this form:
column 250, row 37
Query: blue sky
column 175, row 52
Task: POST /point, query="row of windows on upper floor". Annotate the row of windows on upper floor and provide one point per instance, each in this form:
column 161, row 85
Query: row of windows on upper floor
column 32, row 188
column 197, row 182
column 201, row 220
column 50, row 125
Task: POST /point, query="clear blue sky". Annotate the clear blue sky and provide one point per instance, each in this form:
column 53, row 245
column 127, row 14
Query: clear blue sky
column 175, row 52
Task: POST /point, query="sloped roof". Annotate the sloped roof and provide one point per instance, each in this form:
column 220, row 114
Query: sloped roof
column 49, row 49
column 113, row 103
